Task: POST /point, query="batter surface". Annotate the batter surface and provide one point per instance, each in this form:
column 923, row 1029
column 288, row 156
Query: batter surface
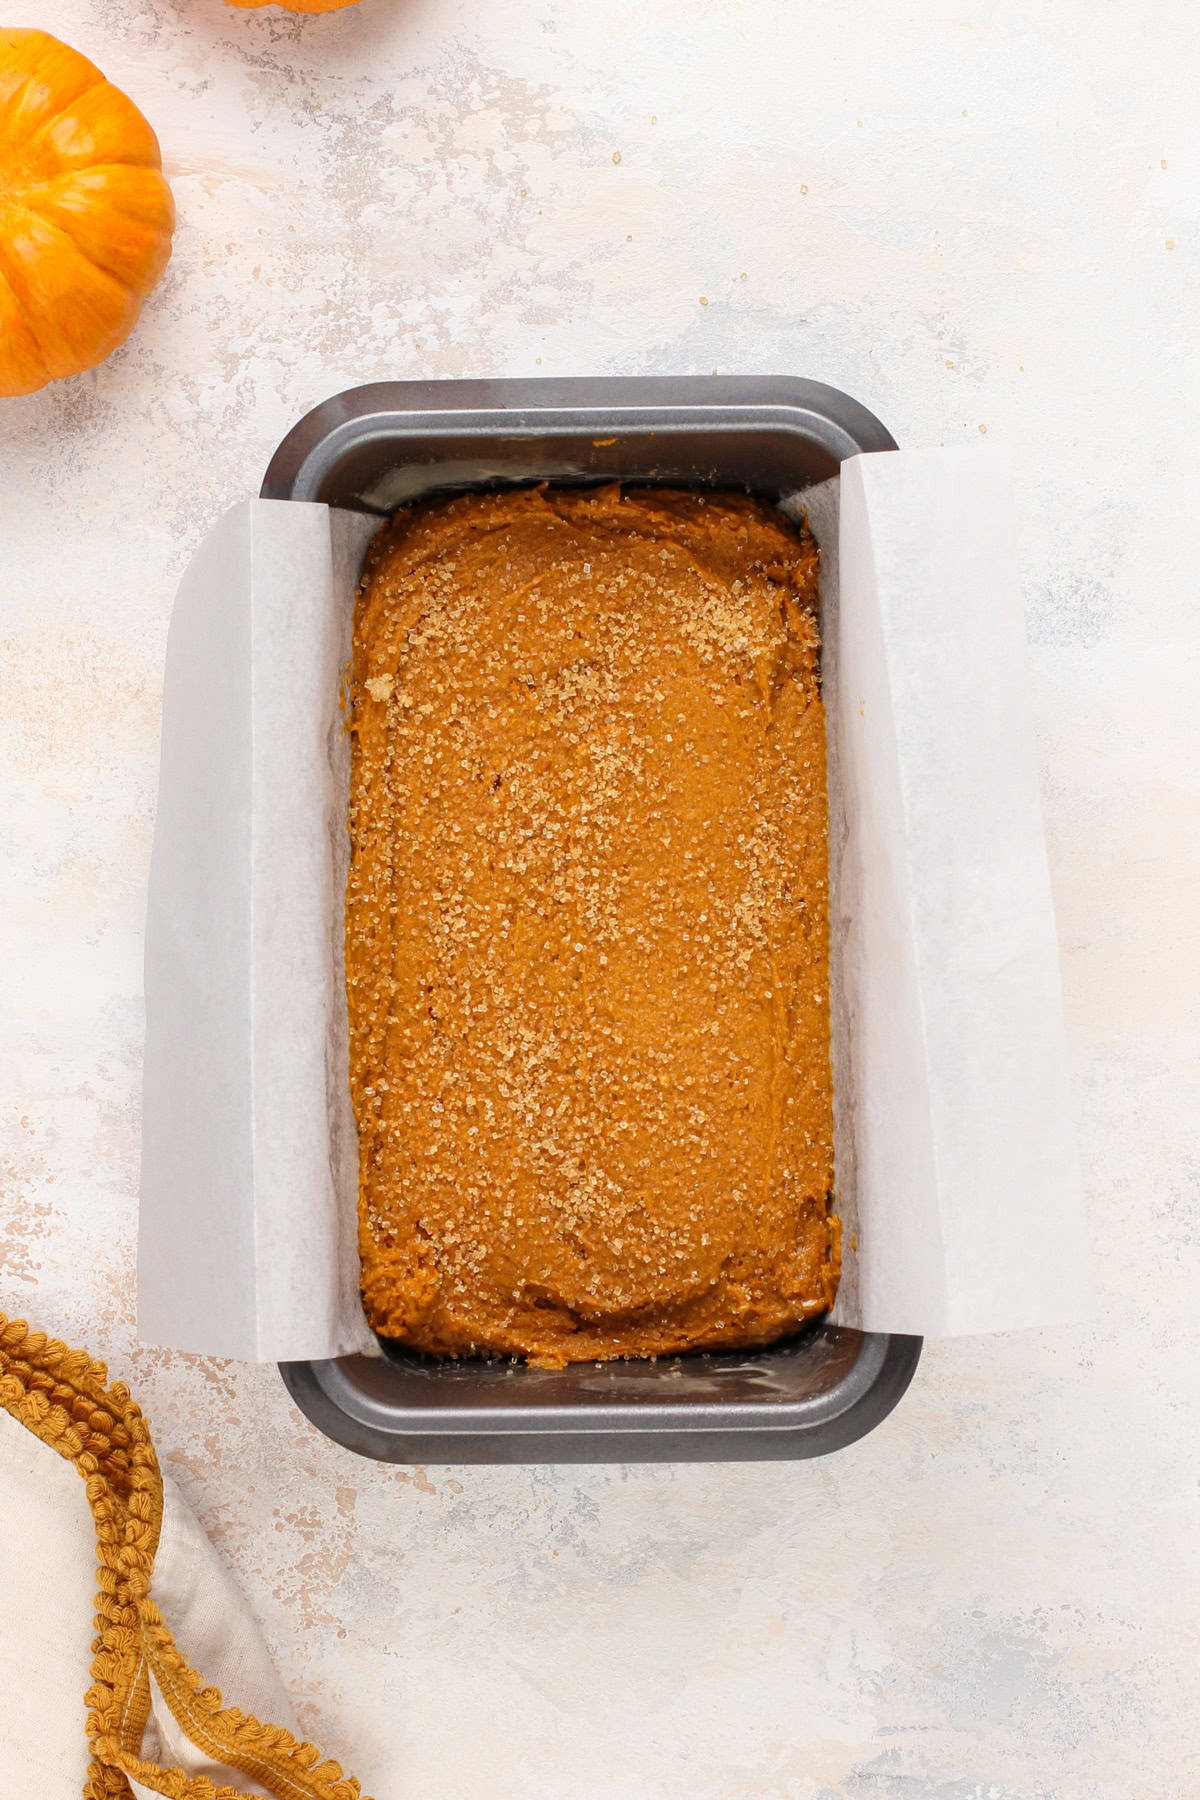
column 586, row 931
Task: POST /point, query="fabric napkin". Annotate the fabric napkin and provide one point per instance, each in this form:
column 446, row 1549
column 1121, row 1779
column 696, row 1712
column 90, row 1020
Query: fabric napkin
column 109, row 1702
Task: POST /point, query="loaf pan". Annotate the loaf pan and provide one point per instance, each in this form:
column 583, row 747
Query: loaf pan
column 372, row 449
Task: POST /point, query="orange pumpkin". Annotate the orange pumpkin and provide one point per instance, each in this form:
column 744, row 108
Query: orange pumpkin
column 300, row 6
column 85, row 215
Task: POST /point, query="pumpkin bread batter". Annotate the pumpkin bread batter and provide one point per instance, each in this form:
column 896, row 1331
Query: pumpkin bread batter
column 586, row 933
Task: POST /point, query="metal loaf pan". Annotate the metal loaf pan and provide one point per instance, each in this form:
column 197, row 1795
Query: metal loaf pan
column 371, row 449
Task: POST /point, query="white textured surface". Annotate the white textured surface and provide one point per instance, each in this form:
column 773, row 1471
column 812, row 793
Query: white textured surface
column 960, row 213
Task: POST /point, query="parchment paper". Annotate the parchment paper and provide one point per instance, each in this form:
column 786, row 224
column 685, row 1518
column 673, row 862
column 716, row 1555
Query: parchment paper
column 246, row 1241
column 957, row 1164
column 957, row 1174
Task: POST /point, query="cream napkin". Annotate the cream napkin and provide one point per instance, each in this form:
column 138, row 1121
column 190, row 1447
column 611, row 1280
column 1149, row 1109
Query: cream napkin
column 48, row 1578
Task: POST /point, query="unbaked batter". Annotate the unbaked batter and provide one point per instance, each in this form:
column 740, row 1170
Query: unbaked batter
column 586, row 934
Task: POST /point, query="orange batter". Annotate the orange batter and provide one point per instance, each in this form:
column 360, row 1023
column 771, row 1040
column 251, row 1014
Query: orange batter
column 587, row 933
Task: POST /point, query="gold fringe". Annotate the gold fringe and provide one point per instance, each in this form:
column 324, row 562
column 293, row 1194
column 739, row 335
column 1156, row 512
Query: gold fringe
column 63, row 1397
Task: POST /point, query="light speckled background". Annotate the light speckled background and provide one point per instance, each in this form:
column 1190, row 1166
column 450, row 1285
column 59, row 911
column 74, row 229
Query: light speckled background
column 971, row 216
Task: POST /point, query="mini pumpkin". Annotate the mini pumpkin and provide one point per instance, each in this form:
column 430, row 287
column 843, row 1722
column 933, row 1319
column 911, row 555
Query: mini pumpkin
column 298, row 6
column 85, row 214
